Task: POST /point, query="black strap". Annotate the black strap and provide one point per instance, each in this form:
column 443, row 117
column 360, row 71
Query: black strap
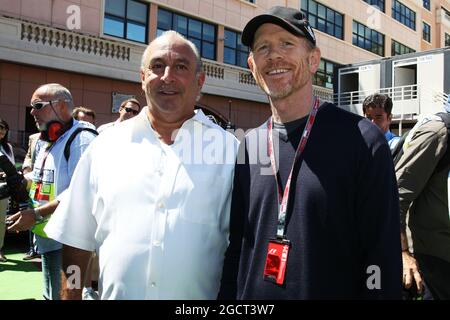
column 72, row 137
column 397, row 152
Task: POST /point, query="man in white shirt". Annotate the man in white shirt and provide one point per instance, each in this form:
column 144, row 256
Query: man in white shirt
column 152, row 195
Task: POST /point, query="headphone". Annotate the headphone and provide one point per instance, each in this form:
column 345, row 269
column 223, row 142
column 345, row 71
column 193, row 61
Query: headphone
column 54, row 130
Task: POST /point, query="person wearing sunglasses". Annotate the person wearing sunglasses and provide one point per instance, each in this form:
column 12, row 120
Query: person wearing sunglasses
column 128, row 109
column 7, row 150
column 52, row 106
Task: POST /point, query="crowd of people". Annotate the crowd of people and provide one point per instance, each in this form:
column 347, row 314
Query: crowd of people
column 168, row 205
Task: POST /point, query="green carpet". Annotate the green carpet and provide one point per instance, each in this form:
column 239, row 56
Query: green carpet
column 19, row 279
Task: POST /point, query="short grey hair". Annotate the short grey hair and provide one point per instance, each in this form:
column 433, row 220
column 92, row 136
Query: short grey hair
column 59, row 92
column 172, row 33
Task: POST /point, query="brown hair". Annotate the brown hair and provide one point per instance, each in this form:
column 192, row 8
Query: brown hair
column 132, row 100
column 378, row 100
column 4, row 140
column 85, row 110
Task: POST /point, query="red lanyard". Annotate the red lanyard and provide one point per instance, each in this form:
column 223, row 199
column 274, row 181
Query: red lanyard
column 283, row 198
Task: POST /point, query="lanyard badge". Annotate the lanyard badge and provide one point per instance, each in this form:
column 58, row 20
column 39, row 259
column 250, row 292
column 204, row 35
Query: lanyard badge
column 278, row 249
column 277, row 255
column 39, row 190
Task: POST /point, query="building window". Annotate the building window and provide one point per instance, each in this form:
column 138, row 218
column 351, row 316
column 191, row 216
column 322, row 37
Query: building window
column 403, row 14
column 127, row 19
column 324, row 75
column 398, row 48
column 447, row 40
column 251, row 1
column 202, row 34
column 426, row 4
column 234, row 51
column 426, row 32
column 368, row 39
column 377, row 3
column 447, row 13
column 323, row 18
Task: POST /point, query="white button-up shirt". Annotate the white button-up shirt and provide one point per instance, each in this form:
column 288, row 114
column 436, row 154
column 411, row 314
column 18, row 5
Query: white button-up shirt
column 157, row 214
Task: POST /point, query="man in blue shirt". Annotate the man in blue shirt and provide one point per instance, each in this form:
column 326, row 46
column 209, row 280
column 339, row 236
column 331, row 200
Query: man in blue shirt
column 377, row 108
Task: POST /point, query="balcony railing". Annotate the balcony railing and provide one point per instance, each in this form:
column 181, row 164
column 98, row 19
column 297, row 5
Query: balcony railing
column 396, row 93
column 247, row 78
column 323, row 93
column 219, row 70
column 73, row 41
column 213, row 70
column 409, row 101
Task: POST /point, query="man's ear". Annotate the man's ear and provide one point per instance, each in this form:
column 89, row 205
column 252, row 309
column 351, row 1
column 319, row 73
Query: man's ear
column 314, row 60
column 251, row 63
column 201, row 79
column 389, row 117
column 142, row 76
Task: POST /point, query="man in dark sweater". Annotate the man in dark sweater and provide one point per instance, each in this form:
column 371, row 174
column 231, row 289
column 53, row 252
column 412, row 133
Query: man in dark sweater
column 325, row 226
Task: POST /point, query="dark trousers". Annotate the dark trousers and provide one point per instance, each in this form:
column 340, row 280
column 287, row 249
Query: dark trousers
column 436, row 273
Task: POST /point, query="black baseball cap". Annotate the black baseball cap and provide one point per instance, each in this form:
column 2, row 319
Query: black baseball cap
column 290, row 19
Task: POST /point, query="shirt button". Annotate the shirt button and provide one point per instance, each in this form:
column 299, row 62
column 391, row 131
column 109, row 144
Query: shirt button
column 161, row 205
column 153, row 284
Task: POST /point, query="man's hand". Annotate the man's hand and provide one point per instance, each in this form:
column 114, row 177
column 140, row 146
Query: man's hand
column 411, row 272
column 23, row 220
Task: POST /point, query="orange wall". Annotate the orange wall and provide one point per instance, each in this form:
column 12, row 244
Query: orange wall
column 18, row 82
column 244, row 114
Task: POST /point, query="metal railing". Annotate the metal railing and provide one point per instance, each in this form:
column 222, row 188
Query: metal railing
column 409, row 92
column 409, row 101
column 323, row 93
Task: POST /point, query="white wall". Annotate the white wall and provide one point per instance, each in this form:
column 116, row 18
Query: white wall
column 369, row 77
column 430, row 78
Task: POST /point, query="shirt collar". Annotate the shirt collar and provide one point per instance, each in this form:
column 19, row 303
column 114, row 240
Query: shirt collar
column 389, row 135
column 202, row 118
column 199, row 116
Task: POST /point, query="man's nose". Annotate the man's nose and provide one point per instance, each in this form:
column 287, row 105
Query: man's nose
column 167, row 76
column 274, row 52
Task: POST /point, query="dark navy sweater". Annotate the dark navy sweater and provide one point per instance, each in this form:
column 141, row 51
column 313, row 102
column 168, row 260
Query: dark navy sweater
column 342, row 219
